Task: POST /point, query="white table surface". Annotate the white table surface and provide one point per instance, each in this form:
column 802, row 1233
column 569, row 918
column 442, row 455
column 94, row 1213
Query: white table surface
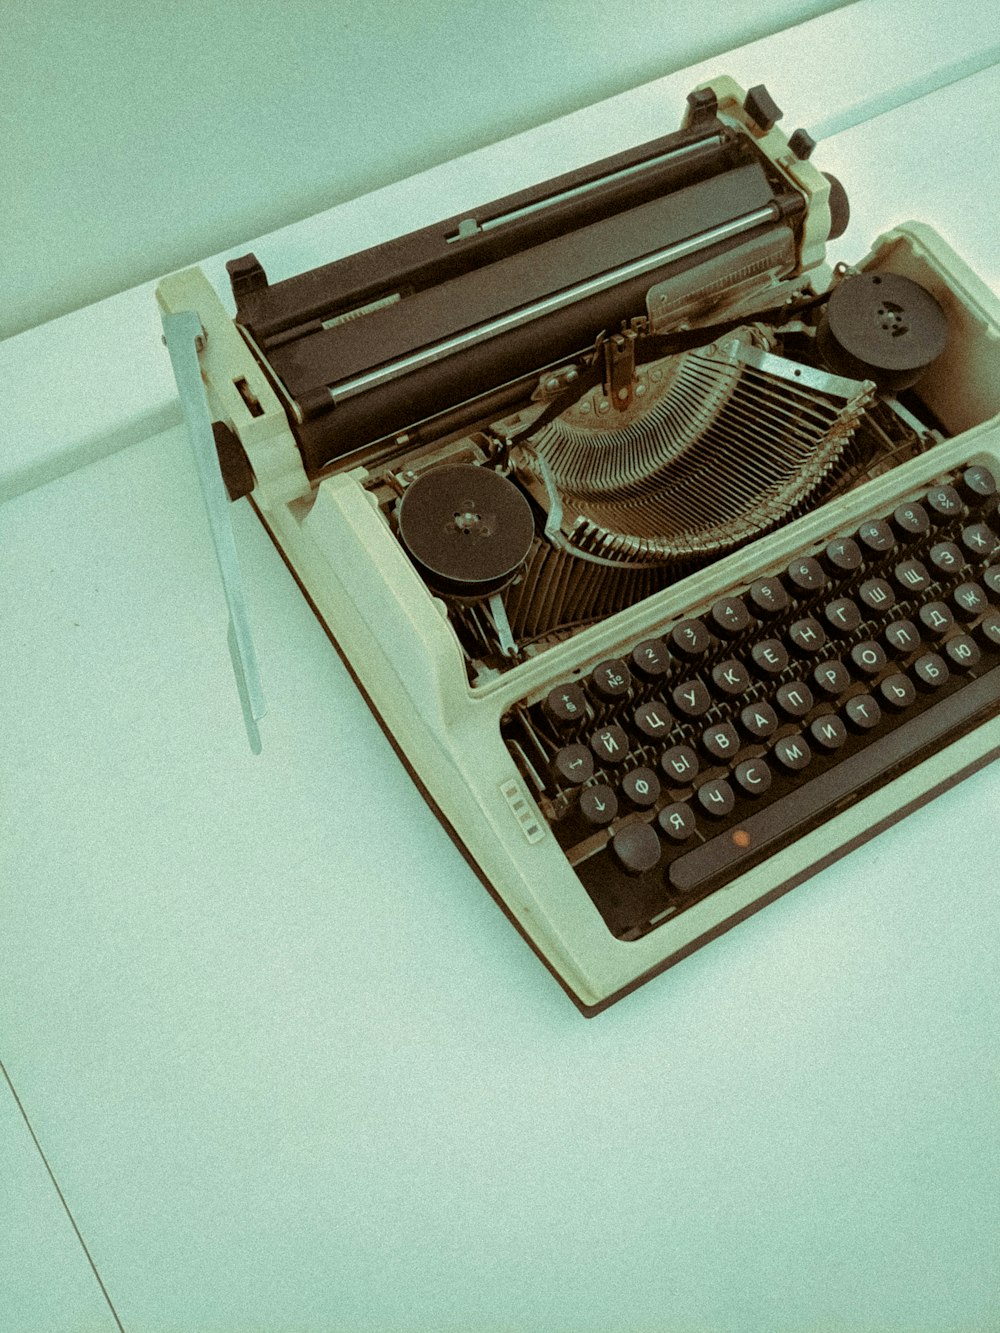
column 293, row 1069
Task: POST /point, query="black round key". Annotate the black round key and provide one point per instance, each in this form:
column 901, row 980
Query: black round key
column 827, row 731
column 650, row 659
column 962, row 652
column 991, row 577
column 729, row 616
column 676, row 821
column 988, row 629
column 979, row 540
column 769, row 656
column 862, row 712
column 721, row 741
column 977, row 484
column 832, row 678
column 876, row 537
column 759, row 721
column 610, row 680
column 636, row 848
column 897, row 691
column 807, row 635
column 653, row 719
column 610, row 745
column 946, row 557
column 691, row 698
column 716, row 798
column 842, row 556
column 792, row 752
column 598, row 805
column 944, row 501
column 690, row 638
column 936, row 618
column 753, row 776
column 565, row 705
column 794, row 698
column 573, row 763
column 877, row 595
column 868, row 658
column 969, row 601
column 730, row 678
column 679, row 765
column 901, row 637
column 911, row 520
column 768, row 596
column 806, row 574
column 912, row 576
column 641, row 787
column 842, row 615
column 930, row 672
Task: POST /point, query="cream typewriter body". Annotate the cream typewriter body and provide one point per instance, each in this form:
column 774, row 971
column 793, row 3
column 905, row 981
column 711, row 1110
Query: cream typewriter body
column 664, row 554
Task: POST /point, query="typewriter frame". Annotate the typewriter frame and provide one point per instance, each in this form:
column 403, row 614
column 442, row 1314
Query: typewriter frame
column 407, row 661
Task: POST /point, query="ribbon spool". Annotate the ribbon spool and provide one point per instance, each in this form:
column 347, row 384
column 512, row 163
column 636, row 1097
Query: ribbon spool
column 467, row 529
column 882, row 327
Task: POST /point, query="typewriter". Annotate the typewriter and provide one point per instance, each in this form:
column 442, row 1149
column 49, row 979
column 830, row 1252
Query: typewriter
column 667, row 555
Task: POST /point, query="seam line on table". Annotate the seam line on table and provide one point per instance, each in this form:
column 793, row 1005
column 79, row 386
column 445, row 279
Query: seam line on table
column 906, row 93
column 61, row 1196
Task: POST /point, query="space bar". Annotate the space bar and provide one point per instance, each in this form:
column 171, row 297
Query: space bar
column 697, row 868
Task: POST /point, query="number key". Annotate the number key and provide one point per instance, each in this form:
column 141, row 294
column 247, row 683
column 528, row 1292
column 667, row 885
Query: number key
column 611, row 680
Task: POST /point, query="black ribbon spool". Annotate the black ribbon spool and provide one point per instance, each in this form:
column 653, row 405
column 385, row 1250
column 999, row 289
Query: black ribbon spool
column 467, row 529
column 881, row 327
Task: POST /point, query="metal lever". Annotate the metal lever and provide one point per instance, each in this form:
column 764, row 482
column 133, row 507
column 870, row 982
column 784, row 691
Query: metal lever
column 182, row 332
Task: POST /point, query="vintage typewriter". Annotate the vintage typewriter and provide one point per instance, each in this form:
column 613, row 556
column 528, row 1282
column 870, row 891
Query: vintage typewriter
column 668, row 557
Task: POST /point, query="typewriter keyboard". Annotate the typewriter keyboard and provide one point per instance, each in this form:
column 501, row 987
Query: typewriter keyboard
column 687, row 757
